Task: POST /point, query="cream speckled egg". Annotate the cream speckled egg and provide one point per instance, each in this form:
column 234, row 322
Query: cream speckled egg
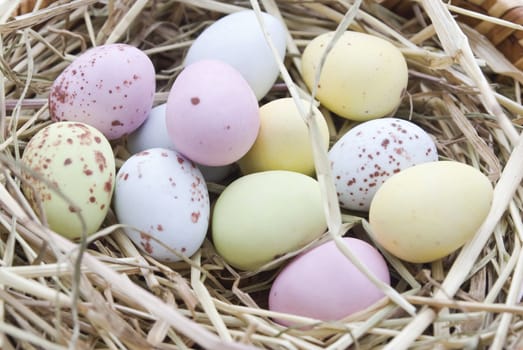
column 261, row 216
column 426, row 212
column 79, row 160
column 283, row 141
column 163, row 195
column 363, row 78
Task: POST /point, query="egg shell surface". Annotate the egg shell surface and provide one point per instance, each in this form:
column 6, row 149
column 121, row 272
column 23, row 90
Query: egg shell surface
column 426, row 212
column 162, row 194
column 212, row 114
column 79, row 160
column 261, row 216
column 110, row 87
column 153, row 134
column 323, row 284
column 283, row 142
column 363, row 78
column 238, row 40
column 371, row 152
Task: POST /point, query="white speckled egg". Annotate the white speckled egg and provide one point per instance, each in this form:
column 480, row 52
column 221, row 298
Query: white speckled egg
column 238, row 40
column 79, row 160
column 429, row 210
column 110, row 87
column 371, row 152
column 153, row 134
column 163, row 195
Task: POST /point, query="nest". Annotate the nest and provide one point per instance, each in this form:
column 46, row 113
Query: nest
column 103, row 293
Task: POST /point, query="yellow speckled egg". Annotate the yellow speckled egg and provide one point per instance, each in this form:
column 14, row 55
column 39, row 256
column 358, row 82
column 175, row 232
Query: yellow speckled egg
column 283, row 141
column 261, row 216
column 363, row 78
column 79, row 160
column 426, row 212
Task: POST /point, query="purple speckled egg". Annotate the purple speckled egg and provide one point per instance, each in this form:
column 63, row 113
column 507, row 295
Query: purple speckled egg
column 373, row 151
column 109, row 87
column 323, row 284
column 212, row 113
column 163, row 197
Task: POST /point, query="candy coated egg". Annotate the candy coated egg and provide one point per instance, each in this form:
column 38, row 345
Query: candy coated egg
column 110, row 87
column 427, row 211
column 163, row 195
column 153, row 134
column 238, row 40
column 283, row 141
column 79, row 160
column 323, row 284
column 363, row 77
column 371, row 152
column 261, row 216
column 212, row 114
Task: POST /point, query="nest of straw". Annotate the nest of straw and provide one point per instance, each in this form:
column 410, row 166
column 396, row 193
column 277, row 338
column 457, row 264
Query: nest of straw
column 102, row 293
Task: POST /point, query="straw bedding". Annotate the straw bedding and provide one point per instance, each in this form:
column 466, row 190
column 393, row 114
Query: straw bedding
column 102, row 293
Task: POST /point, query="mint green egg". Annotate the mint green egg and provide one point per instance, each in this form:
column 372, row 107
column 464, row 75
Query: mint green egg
column 78, row 160
column 264, row 215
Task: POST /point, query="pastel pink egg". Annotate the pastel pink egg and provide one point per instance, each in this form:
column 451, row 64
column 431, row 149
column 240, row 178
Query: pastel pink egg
column 323, row 284
column 109, row 87
column 212, row 113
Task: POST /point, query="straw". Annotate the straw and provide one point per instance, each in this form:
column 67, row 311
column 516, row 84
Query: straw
column 103, row 292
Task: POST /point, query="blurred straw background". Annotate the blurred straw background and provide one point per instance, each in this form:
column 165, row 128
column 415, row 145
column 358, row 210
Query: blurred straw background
column 465, row 74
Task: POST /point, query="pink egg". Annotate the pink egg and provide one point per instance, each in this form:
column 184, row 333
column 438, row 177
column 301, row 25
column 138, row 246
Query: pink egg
column 323, row 284
column 212, row 113
column 110, row 87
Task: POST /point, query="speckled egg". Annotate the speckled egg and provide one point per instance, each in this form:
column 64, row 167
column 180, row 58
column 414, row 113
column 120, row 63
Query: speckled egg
column 110, row 87
column 371, row 152
column 261, row 216
column 238, row 40
column 212, row 113
column 323, row 284
column 429, row 210
column 283, row 142
column 153, row 134
column 77, row 159
column 163, row 197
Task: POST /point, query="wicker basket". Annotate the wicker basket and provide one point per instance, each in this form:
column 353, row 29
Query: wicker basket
column 106, row 294
column 508, row 40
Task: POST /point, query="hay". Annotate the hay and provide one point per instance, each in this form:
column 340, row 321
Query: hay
column 104, row 294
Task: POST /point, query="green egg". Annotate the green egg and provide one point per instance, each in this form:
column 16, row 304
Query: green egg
column 264, row 215
column 78, row 160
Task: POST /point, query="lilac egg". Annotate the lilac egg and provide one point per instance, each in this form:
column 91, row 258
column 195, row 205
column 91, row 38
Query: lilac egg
column 212, row 113
column 110, row 87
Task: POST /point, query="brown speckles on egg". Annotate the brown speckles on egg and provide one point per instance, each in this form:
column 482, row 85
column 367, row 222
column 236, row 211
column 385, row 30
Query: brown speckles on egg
column 100, row 160
column 68, row 161
column 146, row 243
column 159, row 227
column 180, row 160
column 116, row 122
column 108, row 186
column 195, row 101
column 195, row 216
column 88, row 172
column 92, row 199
